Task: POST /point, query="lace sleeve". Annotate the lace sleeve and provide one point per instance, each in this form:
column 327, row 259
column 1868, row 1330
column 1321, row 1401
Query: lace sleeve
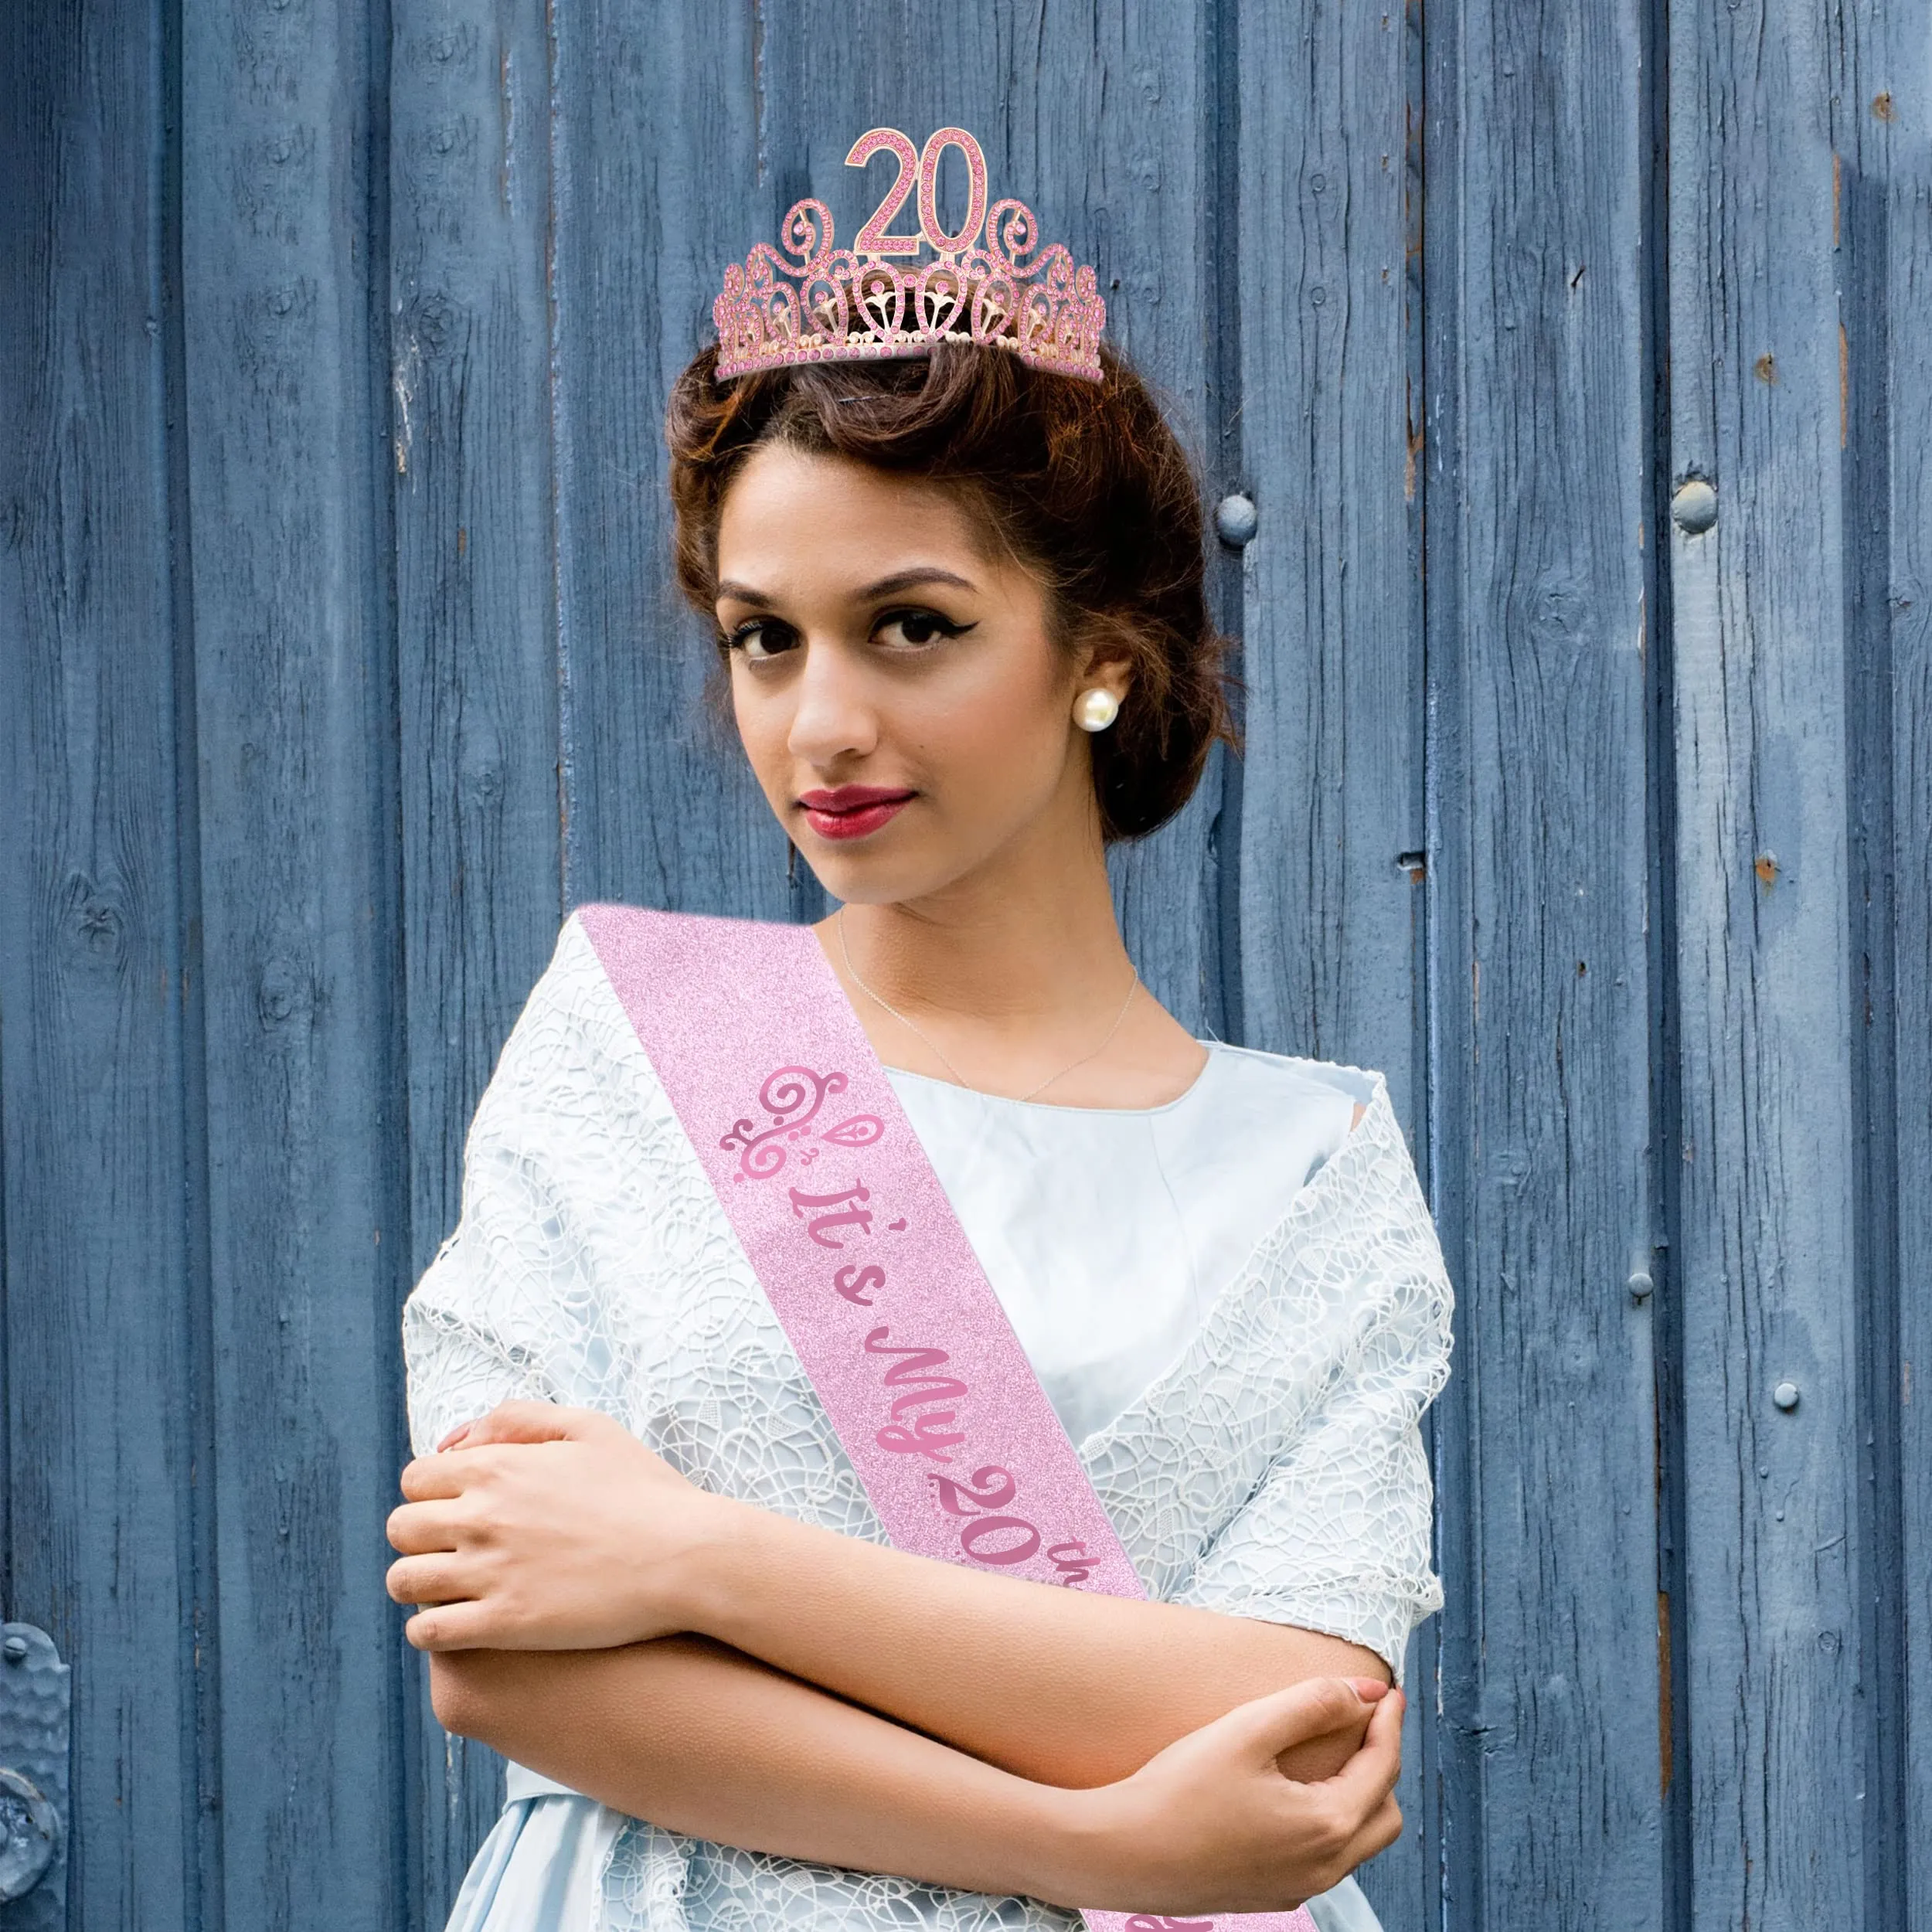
column 1336, row 1536
column 460, row 1363
column 513, row 1305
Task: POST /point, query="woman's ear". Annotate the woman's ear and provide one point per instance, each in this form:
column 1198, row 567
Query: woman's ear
column 1110, row 675
column 1101, row 688
column 1105, row 661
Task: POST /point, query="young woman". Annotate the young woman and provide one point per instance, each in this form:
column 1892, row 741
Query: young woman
column 958, row 597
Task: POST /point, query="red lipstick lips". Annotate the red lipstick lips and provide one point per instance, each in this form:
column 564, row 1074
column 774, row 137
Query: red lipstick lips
column 854, row 811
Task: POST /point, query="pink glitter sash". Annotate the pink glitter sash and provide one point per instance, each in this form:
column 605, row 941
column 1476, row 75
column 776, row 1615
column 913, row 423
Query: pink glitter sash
column 866, row 1265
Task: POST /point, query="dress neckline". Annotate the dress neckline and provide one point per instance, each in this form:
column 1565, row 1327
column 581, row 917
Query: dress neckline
column 1215, row 1049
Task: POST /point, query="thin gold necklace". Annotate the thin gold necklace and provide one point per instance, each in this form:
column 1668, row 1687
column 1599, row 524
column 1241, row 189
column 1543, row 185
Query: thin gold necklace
column 959, row 1078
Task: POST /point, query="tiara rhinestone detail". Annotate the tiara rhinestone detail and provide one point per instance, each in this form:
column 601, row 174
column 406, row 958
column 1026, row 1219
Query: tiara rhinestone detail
column 991, row 282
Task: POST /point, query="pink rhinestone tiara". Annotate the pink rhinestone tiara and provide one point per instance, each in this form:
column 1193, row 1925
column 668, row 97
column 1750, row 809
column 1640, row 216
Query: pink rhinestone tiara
column 814, row 302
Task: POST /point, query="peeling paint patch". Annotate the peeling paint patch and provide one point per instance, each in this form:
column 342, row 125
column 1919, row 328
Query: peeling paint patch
column 403, row 385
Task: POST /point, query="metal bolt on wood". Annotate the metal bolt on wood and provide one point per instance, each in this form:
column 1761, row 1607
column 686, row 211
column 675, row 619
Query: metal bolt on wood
column 1236, row 520
column 1785, row 1395
column 1694, row 506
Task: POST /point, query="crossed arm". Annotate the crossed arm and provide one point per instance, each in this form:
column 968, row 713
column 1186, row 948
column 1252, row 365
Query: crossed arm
column 727, row 1672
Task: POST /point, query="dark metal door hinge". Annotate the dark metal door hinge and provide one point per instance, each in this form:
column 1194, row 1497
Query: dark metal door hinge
column 33, row 1782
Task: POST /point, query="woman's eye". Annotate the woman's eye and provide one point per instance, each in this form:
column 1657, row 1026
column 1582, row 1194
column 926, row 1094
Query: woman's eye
column 761, row 639
column 918, row 626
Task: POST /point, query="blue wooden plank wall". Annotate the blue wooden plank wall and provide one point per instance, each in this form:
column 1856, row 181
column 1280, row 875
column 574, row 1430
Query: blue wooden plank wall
column 1539, row 981
column 338, row 658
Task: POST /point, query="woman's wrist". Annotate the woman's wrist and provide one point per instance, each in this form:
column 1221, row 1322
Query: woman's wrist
column 1102, row 1847
column 1076, row 1837
column 713, row 1589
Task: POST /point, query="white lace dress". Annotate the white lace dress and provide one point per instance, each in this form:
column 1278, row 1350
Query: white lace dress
column 1242, row 1359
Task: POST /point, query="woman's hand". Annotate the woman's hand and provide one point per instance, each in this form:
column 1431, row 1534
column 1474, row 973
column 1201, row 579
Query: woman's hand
column 539, row 1527
column 1211, row 1825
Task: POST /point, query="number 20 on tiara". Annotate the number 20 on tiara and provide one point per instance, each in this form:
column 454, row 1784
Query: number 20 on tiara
column 923, row 168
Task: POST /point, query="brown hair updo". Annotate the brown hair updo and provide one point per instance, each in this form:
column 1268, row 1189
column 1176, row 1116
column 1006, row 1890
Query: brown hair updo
column 1082, row 481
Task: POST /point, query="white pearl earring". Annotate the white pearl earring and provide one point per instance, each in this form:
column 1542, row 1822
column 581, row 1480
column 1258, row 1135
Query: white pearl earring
column 1096, row 709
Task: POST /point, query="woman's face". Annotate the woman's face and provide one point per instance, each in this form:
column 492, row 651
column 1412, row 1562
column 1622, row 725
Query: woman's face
column 903, row 704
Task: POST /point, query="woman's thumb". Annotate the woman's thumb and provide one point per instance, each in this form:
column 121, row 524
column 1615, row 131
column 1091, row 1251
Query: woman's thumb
column 1318, row 1707
column 516, row 1422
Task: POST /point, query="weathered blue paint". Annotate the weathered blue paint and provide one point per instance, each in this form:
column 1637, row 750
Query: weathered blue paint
column 655, row 809
column 287, row 556
column 1787, row 1256
column 1903, row 158
column 1538, row 978
column 1329, row 856
column 470, row 477
column 1907, row 277
column 339, row 654
column 102, row 1358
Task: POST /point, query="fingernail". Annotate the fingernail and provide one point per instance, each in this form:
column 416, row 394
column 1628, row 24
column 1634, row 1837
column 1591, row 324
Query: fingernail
column 1371, row 1690
column 455, row 1435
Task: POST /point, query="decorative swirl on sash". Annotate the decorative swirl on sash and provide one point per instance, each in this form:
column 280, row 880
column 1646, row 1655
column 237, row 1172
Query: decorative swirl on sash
column 792, row 1097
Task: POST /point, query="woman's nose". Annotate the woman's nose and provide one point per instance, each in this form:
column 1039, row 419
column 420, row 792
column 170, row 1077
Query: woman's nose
column 833, row 717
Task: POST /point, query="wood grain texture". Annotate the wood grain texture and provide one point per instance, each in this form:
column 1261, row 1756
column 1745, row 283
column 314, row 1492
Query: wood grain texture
column 1876, row 165
column 654, row 139
column 1909, row 276
column 1333, row 677
column 472, row 489
column 98, row 1366
column 1767, row 1257
column 287, row 461
column 1331, row 793
column 1549, row 1757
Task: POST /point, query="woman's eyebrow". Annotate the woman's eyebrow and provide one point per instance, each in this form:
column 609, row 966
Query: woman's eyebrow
column 921, row 573
column 885, row 587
